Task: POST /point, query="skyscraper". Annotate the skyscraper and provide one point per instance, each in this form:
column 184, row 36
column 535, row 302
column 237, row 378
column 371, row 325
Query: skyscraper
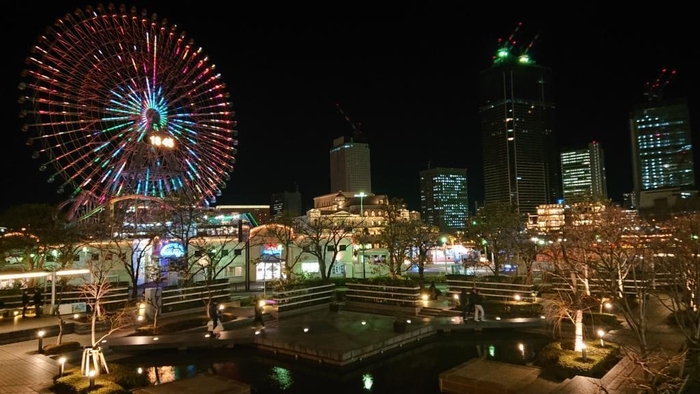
column 662, row 153
column 583, row 174
column 517, row 113
column 443, row 198
column 289, row 202
column 350, row 166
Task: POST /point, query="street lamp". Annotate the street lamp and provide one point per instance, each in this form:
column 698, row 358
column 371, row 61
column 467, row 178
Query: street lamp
column 601, row 334
column 362, row 195
column 444, row 253
column 41, row 334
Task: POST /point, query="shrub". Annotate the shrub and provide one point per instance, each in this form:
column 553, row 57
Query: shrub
column 598, row 362
column 64, row 347
column 76, row 383
column 119, row 380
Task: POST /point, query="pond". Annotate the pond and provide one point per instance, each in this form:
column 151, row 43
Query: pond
column 409, row 370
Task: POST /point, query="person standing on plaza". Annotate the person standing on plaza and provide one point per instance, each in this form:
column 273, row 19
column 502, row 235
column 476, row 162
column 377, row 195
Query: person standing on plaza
column 38, row 302
column 213, row 312
column 478, row 309
column 25, row 302
column 464, row 303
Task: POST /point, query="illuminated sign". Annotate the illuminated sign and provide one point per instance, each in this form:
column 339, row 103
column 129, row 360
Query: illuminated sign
column 172, row 249
column 167, row 142
column 271, row 249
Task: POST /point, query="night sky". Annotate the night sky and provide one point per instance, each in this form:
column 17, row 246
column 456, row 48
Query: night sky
column 407, row 75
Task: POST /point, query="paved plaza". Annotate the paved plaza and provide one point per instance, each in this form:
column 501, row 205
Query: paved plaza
column 332, row 337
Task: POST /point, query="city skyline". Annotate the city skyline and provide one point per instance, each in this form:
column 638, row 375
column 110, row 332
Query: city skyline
column 406, row 77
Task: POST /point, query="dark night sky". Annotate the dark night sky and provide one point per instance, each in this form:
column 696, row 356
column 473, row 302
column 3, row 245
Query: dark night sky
column 407, row 74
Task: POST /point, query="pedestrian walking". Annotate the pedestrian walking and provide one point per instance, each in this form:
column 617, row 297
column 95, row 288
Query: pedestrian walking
column 464, row 303
column 478, row 308
column 213, row 312
column 259, row 315
column 38, row 302
column 25, row 302
column 433, row 291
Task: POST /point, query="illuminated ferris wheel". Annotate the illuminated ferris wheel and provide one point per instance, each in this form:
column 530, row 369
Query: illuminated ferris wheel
column 116, row 103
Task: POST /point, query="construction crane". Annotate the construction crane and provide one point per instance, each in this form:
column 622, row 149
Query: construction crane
column 509, row 48
column 356, row 133
column 654, row 89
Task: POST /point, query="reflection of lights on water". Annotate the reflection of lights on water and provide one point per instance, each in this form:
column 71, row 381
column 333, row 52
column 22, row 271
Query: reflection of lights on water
column 492, row 351
column 160, row 375
column 282, row 376
column 367, row 381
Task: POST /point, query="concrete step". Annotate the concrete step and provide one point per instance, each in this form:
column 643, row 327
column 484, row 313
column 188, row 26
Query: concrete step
column 438, row 312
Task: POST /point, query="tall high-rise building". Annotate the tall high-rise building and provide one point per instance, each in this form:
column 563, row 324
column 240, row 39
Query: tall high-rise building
column 443, row 198
column 289, row 202
column 662, row 153
column 350, row 166
column 583, row 174
column 521, row 161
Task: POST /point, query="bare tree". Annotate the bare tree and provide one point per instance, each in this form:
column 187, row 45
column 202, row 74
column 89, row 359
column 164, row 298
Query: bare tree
column 397, row 235
column 528, row 245
column 94, row 291
column 321, row 237
column 283, row 231
column 423, row 239
column 496, row 226
column 569, row 253
column 212, row 255
column 33, row 229
column 621, row 260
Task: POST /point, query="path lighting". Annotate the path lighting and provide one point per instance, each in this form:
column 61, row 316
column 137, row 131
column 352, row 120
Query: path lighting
column 584, row 355
column 61, row 366
column 306, row 329
column 517, row 297
column 424, row 297
column 91, row 374
column 601, row 333
column 40, row 335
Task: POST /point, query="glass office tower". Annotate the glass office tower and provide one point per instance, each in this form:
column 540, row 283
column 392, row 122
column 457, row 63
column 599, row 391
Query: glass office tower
column 521, row 162
column 583, row 174
column 443, row 198
column 662, row 153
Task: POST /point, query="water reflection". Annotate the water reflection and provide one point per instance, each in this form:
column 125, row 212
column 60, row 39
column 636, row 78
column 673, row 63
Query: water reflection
column 413, row 370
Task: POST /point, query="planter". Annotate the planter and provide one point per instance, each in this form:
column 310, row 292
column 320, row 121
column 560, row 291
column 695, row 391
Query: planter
column 400, row 326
